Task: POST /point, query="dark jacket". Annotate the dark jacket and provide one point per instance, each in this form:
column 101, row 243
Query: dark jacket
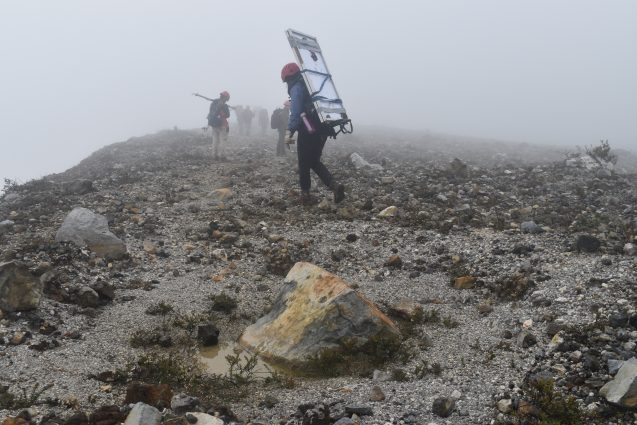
column 219, row 114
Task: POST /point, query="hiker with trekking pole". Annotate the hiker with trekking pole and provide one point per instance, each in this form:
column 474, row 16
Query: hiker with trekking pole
column 218, row 122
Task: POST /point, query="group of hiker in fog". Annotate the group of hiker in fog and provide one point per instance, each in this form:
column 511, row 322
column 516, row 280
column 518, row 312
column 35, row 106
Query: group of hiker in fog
column 296, row 117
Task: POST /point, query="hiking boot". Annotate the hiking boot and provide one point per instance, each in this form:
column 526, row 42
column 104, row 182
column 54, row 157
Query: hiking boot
column 307, row 199
column 339, row 191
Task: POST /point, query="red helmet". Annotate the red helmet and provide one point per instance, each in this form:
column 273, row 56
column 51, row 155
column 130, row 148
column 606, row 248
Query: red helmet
column 225, row 94
column 289, row 70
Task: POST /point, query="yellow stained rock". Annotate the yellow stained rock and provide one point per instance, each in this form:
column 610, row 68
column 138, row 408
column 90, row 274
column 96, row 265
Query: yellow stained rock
column 464, row 282
column 313, row 311
column 223, row 193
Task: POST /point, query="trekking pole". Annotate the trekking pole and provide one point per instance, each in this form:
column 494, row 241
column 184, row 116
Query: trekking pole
column 202, row 96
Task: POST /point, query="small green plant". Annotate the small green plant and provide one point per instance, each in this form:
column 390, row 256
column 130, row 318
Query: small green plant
column 189, row 321
column 450, row 322
column 170, row 368
column 352, row 358
column 601, row 152
column 160, row 309
column 9, row 185
column 555, row 408
column 424, row 368
column 399, row 375
column 242, row 371
column 148, row 338
column 431, row 316
column 223, row 303
column 24, row 400
column 280, row 379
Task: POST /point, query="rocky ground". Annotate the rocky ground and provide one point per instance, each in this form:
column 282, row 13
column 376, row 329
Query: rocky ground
column 519, row 257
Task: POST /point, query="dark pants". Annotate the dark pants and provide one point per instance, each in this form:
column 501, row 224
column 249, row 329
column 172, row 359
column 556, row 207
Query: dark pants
column 309, row 150
column 280, row 146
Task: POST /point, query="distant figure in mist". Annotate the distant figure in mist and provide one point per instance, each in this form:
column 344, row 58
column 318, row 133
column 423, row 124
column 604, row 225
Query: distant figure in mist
column 304, row 120
column 218, row 121
column 279, row 121
column 248, row 114
column 263, row 120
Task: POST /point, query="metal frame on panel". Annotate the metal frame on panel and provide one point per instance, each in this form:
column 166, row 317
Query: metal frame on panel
column 319, row 81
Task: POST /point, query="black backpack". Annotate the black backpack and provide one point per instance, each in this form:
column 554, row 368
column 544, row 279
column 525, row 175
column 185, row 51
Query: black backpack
column 214, row 116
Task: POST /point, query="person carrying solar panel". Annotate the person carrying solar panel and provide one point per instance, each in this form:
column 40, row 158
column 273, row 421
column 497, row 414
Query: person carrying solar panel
column 304, row 121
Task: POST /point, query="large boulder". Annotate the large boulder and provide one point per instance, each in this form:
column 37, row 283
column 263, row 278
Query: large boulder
column 85, row 228
column 315, row 310
column 622, row 390
column 19, row 289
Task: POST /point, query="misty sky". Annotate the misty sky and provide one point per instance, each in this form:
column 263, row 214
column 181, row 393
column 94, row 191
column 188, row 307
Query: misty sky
column 76, row 75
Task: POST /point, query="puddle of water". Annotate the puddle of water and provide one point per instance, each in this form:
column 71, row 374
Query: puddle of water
column 214, row 358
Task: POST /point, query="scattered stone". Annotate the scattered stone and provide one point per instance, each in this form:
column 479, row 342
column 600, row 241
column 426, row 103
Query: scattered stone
column 505, row 405
column 629, row 248
column 80, row 418
column 443, row 406
column 222, row 194
column 318, row 414
column 389, row 212
column 360, row 410
column 143, row 414
column 614, row 365
column 20, row 290
column 406, row 309
column 313, row 311
column 465, row 282
column 151, row 394
column 530, row 227
column 182, row 403
column 149, row 246
column 208, row 334
column 107, row 415
column 351, row 237
column 6, row 226
column 485, row 308
column 377, row 394
column 622, row 390
column 526, row 339
column 87, row 297
column 205, row 419
column 85, row 228
column 587, row 243
column 394, row 262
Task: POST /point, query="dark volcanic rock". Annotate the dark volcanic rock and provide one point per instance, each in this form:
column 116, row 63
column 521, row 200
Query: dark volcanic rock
column 208, row 334
column 587, row 243
column 443, row 406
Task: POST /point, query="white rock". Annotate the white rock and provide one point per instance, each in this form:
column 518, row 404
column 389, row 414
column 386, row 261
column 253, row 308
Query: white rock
column 505, row 405
column 622, row 390
column 85, row 228
column 205, row 419
column 389, row 212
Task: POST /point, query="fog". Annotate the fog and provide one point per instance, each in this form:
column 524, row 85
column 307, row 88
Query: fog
column 77, row 75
